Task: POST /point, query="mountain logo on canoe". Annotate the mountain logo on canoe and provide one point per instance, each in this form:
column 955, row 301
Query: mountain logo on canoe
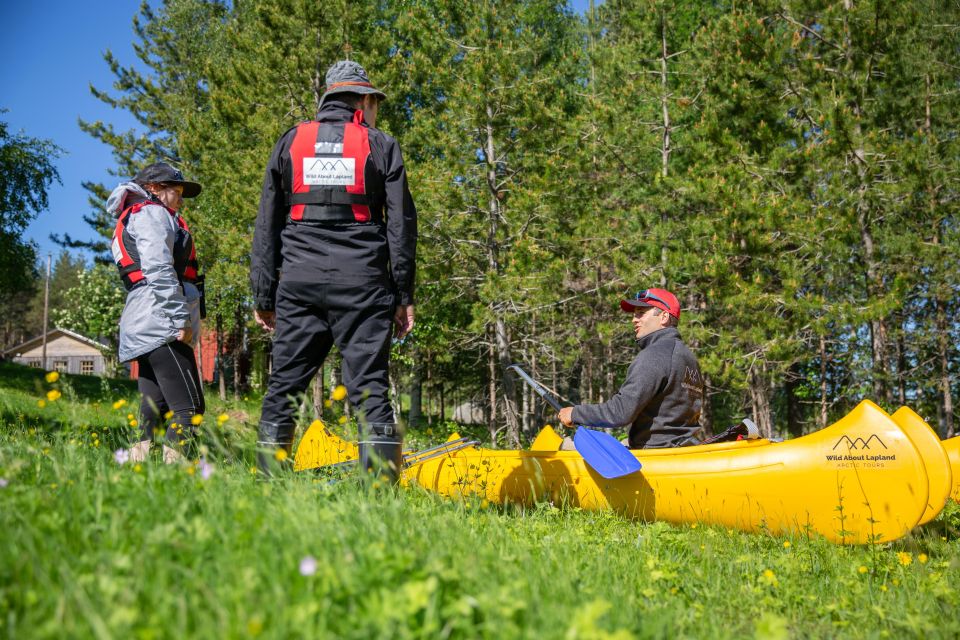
column 859, row 443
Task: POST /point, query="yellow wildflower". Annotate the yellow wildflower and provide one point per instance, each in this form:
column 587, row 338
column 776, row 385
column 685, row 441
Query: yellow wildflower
column 41, row 403
column 253, row 471
column 280, row 454
column 197, row 419
column 770, row 577
column 327, row 403
column 134, row 423
column 191, row 470
column 862, row 569
column 883, row 587
column 53, row 395
column 222, row 418
column 119, row 403
column 343, row 419
column 693, row 526
column 52, row 376
column 904, row 557
column 786, row 544
column 137, row 468
column 168, row 415
column 923, row 558
column 339, row 393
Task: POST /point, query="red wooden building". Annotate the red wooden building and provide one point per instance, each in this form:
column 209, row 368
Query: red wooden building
column 206, row 357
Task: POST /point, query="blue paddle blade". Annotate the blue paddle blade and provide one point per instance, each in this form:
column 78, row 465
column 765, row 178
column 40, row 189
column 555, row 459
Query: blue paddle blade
column 604, row 453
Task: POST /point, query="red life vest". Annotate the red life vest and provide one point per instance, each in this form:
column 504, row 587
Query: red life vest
column 125, row 253
column 329, row 163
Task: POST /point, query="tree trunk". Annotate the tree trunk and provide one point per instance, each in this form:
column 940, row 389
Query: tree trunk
column 706, row 408
column 443, row 405
column 501, row 338
column 509, row 389
column 943, row 335
column 221, row 369
column 416, row 391
column 944, row 356
column 822, row 415
column 237, row 349
column 901, row 366
column 492, row 406
column 874, row 279
column 319, row 394
column 760, row 401
column 665, row 147
column 793, row 410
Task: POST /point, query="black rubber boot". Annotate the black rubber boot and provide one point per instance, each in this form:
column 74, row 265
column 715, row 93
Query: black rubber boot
column 269, row 444
column 381, row 450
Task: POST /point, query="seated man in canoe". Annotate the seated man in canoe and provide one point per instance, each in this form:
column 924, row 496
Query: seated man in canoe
column 661, row 398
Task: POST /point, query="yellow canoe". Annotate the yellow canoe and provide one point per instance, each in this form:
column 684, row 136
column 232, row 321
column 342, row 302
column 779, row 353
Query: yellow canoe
column 869, row 477
column 952, row 447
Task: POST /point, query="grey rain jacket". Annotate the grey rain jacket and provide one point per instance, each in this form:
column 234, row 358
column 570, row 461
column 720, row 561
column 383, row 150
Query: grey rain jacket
column 661, row 398
column 155, row 313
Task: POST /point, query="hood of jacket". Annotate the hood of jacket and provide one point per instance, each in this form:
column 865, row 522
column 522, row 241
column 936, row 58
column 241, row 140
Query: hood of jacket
column 335, row 111
column 667, row 333
column 125, row 195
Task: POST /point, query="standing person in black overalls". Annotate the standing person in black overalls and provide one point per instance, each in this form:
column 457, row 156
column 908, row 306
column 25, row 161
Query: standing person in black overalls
column 333, row 261
column 154, row 251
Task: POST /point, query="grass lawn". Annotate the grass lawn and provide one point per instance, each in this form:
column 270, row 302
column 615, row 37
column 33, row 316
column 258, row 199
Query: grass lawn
column 93, row 548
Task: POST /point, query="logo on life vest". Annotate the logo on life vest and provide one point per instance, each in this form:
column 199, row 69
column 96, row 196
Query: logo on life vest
column 329, row 171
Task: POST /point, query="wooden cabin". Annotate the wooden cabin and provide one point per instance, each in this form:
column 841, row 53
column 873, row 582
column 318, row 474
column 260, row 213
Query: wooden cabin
column 67, row 352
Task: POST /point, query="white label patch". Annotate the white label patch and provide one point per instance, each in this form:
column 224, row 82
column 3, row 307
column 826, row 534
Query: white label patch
column 329, row 171
column 328, row 148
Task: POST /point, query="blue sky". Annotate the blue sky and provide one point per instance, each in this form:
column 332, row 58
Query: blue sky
column 52, row 52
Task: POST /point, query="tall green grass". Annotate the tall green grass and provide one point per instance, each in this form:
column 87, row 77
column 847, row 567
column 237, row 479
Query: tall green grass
column 93, row 548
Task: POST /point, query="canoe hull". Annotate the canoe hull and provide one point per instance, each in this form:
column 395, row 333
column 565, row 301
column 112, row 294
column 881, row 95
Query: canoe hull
column 952, row 447
column 860, row 480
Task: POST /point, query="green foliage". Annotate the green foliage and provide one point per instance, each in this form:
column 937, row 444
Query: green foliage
column 93, row 548
column 789, row 170
column 26, row 172
column 93, row 307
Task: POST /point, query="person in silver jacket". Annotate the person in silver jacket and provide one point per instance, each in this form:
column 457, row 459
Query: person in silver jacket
column 153, row 249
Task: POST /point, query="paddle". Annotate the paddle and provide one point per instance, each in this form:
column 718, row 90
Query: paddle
column 600, row 450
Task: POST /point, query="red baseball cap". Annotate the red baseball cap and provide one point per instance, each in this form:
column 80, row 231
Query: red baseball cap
column 659, row 298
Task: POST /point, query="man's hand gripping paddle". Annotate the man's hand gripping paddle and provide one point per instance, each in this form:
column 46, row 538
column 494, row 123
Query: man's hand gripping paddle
column 601, row 451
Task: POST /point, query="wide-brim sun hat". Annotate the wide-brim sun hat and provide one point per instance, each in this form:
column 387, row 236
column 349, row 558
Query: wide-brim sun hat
column 163, row 173
column 347, row 76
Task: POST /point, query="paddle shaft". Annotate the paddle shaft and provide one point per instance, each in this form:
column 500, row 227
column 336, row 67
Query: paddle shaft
column 536, row 386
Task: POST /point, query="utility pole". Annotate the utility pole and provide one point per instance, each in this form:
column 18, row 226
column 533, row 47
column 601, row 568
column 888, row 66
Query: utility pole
column 46, row 309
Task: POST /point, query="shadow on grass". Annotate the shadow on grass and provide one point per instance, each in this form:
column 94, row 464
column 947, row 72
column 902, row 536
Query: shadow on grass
column 17, row 377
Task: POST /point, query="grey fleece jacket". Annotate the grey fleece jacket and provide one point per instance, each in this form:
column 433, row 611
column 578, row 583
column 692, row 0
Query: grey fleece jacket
column 660, row 399
column 153, row 314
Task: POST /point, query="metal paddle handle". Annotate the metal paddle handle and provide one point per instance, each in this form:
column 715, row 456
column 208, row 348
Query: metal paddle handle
column 536, row 386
